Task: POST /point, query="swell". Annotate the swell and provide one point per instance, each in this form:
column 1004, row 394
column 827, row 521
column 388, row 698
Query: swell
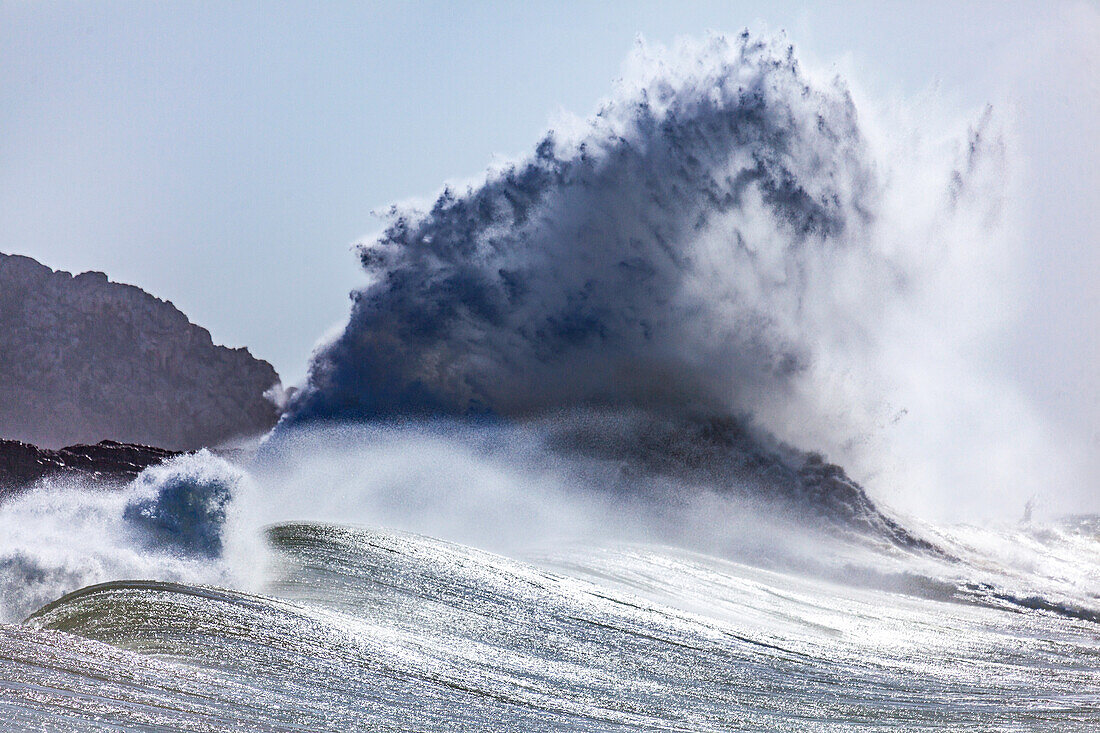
column 363, row 627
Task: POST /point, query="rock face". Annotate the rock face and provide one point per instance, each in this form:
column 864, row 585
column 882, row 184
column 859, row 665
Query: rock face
column 22, row 464
column 84, row 359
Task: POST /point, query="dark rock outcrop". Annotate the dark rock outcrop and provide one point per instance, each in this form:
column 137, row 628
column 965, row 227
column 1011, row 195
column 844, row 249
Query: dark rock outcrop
column 729, row 455
column 83, row 359
column 22, row 464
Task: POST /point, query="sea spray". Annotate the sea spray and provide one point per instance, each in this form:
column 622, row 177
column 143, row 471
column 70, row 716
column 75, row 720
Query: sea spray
column 185, row 504
column 658, row 256
column 729, row 237
column 171, row 523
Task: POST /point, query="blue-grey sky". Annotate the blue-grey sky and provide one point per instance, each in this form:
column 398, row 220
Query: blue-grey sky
column 225, row 155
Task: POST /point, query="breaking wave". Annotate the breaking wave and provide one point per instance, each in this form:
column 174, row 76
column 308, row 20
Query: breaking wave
column 170, row 523
column 590, row 454
column 722, row 243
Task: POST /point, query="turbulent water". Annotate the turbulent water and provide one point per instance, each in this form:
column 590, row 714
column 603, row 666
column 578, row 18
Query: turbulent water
column 603, row 446
column 367, row 629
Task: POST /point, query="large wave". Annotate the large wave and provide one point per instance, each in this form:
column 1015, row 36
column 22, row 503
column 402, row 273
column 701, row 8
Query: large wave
column 722, row 242
column 728, row 260
column 660, row 255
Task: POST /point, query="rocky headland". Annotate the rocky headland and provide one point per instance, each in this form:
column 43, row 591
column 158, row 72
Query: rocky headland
column 84, row 359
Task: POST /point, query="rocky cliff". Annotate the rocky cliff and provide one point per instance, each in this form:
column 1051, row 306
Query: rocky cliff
column 84, row 359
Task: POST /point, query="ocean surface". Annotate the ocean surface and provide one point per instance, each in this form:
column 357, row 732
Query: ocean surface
column 370, row 629
column 668, row 425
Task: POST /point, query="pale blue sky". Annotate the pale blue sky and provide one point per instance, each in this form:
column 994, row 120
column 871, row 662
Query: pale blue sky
column 225, row 155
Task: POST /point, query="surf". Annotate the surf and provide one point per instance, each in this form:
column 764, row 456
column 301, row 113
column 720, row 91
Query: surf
column 626, row 434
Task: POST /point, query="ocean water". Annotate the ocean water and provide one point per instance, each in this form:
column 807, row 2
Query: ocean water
column 356, row 628
column 667, row 425
column 326, row 625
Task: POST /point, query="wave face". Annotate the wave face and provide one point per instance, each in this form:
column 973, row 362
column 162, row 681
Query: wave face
column 361, row 629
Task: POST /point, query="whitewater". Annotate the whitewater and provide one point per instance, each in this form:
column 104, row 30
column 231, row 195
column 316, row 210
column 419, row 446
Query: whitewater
column 638, row 432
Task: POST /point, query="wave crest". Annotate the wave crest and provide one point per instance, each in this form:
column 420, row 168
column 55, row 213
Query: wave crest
column 660, row 255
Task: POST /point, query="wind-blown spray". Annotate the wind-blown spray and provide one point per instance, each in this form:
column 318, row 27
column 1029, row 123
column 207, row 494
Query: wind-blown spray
column 720, row 240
